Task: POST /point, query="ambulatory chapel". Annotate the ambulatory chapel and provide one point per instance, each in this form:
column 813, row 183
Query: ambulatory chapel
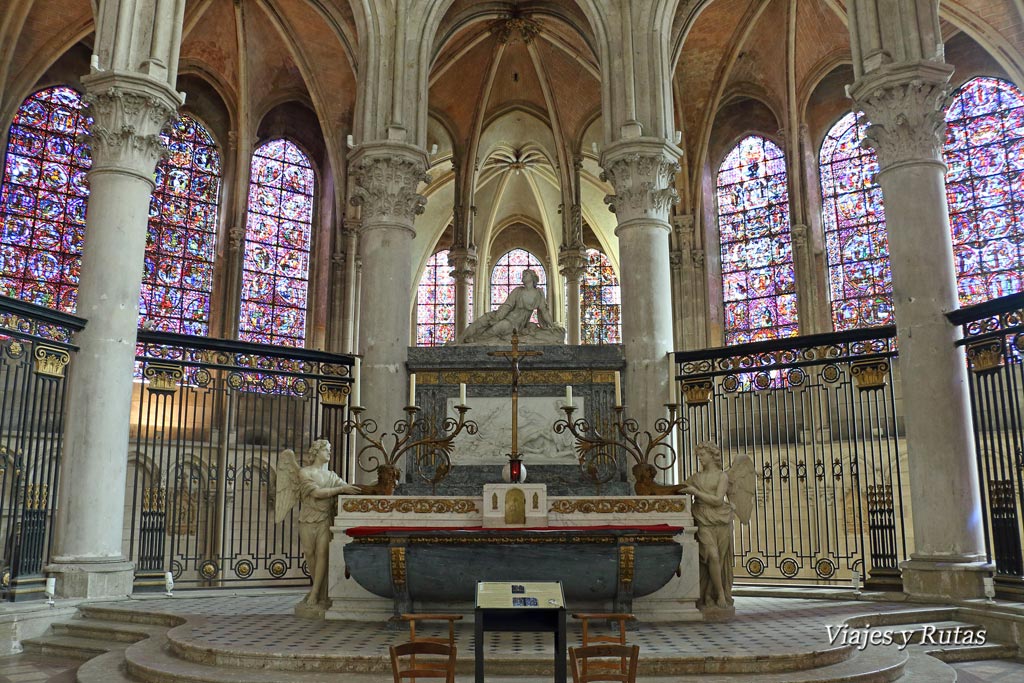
column 512, row 340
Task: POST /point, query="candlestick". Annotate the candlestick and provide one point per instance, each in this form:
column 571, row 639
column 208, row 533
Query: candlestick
column 462, row 393
column 412, row 389
column 618, row 389
column 672, row 380
column 568, row 394
column 357, row 386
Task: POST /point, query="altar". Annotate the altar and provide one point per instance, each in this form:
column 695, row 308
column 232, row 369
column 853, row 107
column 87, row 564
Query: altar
column 397, row 554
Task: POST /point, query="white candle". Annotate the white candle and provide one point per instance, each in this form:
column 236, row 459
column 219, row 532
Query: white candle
column 412, row 389
column 568, row 394
column 671, row 380
column 357, row 385
column 618, row 389
column 51, row 586
column 462, row 393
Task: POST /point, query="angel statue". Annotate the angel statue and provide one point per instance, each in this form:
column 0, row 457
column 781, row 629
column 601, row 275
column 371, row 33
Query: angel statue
column 718, row 495
column 317, row 487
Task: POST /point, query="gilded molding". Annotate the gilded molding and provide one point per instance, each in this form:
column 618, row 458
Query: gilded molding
column 627, row 561
column 50, row 361
column 163, row 378
column 870, row 374
column 418, row 506
column 985, row 356
column 333, row 393
column 398, row 566
column 504, row 377
column 698, row 391
column 385, row 188
column 546, row 539
column 605, row 506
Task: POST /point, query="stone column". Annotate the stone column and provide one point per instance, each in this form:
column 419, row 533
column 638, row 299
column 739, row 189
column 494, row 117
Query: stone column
column 572, row 264
column 904, row 103
column 128, row 111
column 642, row 170
column 385, row 178
column 463, row 263
column 348, row 325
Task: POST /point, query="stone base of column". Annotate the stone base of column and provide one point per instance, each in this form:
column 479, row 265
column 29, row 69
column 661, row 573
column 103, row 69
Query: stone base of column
column 943, row 579
column 82, row 579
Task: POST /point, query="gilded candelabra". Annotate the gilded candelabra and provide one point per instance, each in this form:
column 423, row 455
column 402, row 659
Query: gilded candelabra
column 431, row 447
column 598, row 453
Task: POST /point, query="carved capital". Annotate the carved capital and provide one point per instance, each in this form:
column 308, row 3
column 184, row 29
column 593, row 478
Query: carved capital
column 799, row 234
column 385, row 179
column 572, row 263
column 128, row 114
column 236, row 236
column 906, row 108
column 463, row 263
column 642, row 175
column 685, row 231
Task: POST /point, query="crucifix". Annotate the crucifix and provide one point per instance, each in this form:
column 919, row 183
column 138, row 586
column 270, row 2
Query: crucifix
column 514, row 356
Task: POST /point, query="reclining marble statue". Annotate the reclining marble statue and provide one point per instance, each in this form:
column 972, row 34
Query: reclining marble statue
column 513, row 315
column 718, row 495
column 317, row 487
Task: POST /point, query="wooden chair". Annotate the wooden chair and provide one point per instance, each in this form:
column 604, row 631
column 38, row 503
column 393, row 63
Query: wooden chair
column 614, row 638
column 584, row 670
column 436, row 660
column 450, row 618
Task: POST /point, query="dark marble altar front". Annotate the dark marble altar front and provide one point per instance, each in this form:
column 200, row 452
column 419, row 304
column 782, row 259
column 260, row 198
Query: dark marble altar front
column 589, row 369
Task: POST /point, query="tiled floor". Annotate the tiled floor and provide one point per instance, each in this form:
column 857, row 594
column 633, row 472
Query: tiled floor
column 240, row 621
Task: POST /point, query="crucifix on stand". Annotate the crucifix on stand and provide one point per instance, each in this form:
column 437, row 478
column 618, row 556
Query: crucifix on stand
column 515, row 458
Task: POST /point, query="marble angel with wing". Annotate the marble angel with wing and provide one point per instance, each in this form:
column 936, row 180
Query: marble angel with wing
column 317, row 487
column 718, row 495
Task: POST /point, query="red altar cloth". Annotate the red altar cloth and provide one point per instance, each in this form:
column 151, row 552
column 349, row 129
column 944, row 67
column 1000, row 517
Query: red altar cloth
column 358, row 531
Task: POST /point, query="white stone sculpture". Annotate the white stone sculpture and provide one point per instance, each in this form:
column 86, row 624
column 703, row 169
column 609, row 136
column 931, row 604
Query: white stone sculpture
column 317, row 487
column 513, row 315
column 718, row 495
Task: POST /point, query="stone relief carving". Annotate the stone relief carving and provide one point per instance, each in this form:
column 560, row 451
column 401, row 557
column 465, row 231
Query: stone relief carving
column 908, row 121
column 126, row 127
column 385, row 186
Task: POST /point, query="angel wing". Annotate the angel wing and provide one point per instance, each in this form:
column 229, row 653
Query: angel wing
column 287, row 475
column 742, row 487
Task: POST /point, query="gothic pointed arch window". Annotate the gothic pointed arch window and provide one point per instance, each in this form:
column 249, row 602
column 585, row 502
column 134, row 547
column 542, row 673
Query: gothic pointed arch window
column 853, row 220
column 984, row 153
column 177, row 280
column 435, row 302
column 43, row 199
column 758, row 278
column 278, row 231
column 508, row 274
column 600, row 296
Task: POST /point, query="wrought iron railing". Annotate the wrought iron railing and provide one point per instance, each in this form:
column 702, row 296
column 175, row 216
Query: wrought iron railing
column 35, row 351
column 210, row 419
column 994, row 341
column 817, row 414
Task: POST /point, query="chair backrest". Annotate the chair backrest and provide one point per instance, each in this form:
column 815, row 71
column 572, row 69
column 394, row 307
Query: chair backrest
column 580, row 657
column 426, row 660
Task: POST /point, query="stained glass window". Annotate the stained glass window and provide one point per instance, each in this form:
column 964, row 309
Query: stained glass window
column 435, row 303
column 860, row 279
column 508, row 274
column 759, row 282
column 178, row 276
column 42, row 203
column 985, row 188
column 601, row 302
column 275, row 267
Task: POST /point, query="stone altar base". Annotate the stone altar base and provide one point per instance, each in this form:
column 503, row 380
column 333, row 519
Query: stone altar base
column 674, row 601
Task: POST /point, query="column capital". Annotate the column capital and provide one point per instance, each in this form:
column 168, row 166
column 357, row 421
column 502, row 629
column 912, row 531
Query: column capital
column 463, row 262
column 129, row 111
column 572, row 262
column 905, row 105
column 385, row 177
column 642, row 171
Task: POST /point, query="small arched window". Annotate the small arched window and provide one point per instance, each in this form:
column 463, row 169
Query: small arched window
column 508, row 274
column 275, row 266
column 177, row 281
column 758, row 278
column 43, row 200
column 856, row 245
column 601, row 301
column 435, row 302
column 984, row 153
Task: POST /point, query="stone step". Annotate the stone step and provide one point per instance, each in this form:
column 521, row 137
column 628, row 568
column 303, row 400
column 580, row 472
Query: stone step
column 69, row 646
column 102, row 629
column 975, row 653
column 944, row 634
column 112, row 612
column 150, row 661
